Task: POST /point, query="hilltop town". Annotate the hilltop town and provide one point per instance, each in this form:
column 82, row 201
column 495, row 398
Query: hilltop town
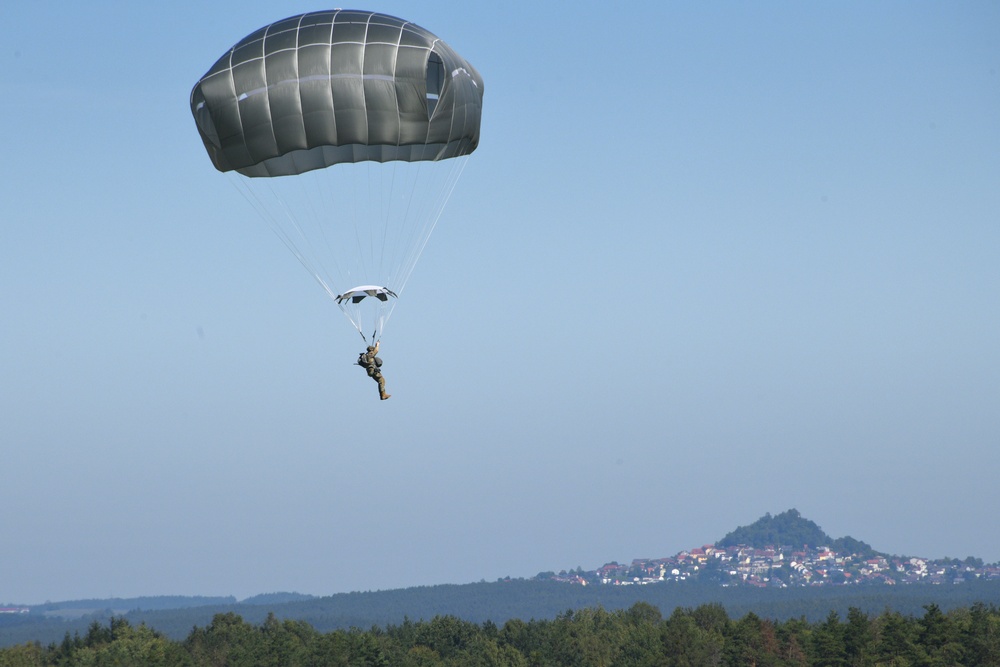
column 778, row 552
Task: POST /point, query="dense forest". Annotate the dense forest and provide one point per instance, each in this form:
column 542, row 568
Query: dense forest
column 500, row 601
column 638, row 636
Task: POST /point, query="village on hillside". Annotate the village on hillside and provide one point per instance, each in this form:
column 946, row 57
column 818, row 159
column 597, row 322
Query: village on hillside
column 781, row 567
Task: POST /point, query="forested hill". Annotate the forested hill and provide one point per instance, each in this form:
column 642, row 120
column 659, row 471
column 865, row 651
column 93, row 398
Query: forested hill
column 790, row 528
column 521, row 599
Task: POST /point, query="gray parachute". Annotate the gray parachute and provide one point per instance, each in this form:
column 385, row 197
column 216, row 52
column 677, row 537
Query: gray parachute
column 336, row 86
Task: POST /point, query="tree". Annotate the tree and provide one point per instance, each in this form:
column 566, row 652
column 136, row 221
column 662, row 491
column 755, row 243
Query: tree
column 446, row 635
column 286, row 643
column 827, row 643
column 367, row 649
column 227, row 641
column 711, row 617
column 793, row 635
column 686, row 644
column 23, row 655
column 981, row 635
column 643, row 613
column 583, row 638
column 752, row 642
column 849, row 545
column 857, row 636
column 894, row 640
column 330, row 650
column 939, row 637
column 134, row 646
column 637, row 633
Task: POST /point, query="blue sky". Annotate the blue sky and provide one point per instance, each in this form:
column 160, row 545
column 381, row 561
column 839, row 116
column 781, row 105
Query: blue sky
column 709, row 261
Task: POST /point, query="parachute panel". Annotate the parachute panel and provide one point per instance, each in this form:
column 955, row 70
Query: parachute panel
column 319, row 118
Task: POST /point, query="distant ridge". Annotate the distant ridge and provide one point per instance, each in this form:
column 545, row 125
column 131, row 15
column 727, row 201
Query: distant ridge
column 524, row 599
column 270, row 599
column 76, row 608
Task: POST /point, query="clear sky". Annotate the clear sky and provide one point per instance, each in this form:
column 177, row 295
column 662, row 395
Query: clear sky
column 711, row 260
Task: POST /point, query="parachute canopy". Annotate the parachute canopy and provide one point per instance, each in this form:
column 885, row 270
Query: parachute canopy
column 368, row 120
column 336, row 86
column 357, row 294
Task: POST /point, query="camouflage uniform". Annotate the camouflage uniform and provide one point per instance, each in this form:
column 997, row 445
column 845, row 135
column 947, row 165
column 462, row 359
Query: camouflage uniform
column 372, row 364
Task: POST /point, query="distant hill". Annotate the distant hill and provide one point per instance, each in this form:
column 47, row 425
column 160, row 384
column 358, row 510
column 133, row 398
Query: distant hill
column 790, row 528
column 77, row 608
column 270, row 599
column 786, row 528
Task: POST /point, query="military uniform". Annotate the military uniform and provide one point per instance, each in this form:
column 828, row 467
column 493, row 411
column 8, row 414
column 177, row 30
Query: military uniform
column 372, row 364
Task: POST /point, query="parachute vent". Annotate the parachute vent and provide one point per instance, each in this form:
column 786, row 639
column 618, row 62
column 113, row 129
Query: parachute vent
column 435, row 81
